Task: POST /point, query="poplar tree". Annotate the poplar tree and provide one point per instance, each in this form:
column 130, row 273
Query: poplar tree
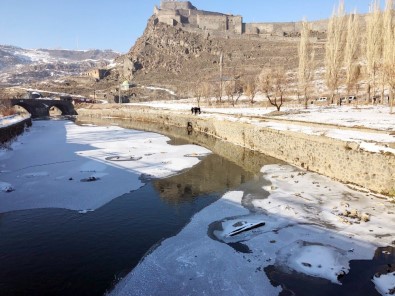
column 334, row 49
column 374, row 44
column 306, row 61
column 351, row 51
column 389, row 49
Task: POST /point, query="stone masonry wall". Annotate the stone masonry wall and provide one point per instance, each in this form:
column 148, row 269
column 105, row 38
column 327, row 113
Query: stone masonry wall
column 333, row 158
column 215, row 23
column 9, row 132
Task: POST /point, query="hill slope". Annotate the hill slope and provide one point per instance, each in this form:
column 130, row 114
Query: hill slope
column 18, row 65
column 176, row 58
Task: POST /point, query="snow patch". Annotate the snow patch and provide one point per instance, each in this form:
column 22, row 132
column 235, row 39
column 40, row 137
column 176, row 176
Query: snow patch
column 6, row 187
column 385, row 283
column 315, row 260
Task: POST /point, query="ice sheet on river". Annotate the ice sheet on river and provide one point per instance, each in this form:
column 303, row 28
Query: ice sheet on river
column 299, row 228
column 61, row 165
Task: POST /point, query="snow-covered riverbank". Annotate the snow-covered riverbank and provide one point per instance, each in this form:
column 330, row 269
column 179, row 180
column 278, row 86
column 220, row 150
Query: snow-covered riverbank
column 12, row 119
column 309, row 225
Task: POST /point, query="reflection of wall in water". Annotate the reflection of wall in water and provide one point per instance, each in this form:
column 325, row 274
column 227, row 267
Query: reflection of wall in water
column 251, row 161
column 212, row 174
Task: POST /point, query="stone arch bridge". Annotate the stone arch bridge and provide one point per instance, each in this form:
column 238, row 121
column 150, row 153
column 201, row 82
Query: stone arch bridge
column 41, row 107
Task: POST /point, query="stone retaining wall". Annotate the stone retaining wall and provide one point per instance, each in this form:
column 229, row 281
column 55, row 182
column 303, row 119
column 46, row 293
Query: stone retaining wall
column 334, row 158
column 9, row 132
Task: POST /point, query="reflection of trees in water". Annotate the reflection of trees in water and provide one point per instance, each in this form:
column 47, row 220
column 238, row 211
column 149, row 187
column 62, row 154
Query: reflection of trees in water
column 213, row 174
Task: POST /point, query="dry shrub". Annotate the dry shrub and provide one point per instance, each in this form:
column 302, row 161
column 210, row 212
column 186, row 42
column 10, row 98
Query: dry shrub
column 6, row 109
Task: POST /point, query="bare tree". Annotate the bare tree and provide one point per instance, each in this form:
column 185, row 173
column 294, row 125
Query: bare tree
column 374, row 44
column 273, row 83
column 198, row 91
column 250, row 88
column 306, row 62
column 233, row 90
column 389, row 50
column 334, row 50
column 207, row 91
column 351, row 50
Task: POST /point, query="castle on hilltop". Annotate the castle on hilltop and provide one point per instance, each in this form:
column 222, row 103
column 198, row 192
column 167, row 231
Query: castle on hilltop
column 183, row 13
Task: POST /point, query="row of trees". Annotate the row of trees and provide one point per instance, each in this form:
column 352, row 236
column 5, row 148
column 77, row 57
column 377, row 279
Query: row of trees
column 359, row 51
column 273, row 82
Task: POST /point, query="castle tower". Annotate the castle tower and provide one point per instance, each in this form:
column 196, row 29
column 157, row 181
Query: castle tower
column 176, row 5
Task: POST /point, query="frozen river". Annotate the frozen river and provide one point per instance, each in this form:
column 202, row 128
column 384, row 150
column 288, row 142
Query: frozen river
column 82, row 205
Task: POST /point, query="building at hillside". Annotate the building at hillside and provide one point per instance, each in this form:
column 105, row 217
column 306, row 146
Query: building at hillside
column 96, row 73
column 183, row 13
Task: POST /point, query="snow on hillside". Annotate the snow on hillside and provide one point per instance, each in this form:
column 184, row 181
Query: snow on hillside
column 20, row 65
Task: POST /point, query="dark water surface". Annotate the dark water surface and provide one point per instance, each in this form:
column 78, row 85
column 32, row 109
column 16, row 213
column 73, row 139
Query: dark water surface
column 63, row 252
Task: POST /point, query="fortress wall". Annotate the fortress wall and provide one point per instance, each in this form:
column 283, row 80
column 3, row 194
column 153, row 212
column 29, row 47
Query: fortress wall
column 321, row 25
column 170, row 20
column 280, row 28
column 167, row 12
column 337, row 159
column 261, row 28
column 192, row 19
column 215, row 21
column 211, row 22
column 235, row 24
column 176, row 5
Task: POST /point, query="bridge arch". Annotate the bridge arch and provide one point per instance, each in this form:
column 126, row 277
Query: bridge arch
column 61, row 107
column 41, row 107
column 24, row 106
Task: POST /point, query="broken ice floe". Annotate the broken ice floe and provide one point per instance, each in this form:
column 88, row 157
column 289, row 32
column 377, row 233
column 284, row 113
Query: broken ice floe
column 35, row 174
column 314, row 259
column 122, row 158
column 199, row 155
column 85, row 211
column 385, row 283
column 241, row 227
column 6, row 187
column 90, row 179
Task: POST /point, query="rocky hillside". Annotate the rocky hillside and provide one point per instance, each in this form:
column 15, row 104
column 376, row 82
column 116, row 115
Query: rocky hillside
column 176, row 58
column 18, row 65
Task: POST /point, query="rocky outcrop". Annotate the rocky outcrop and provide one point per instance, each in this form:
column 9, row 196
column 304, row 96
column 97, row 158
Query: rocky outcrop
column 178, row 58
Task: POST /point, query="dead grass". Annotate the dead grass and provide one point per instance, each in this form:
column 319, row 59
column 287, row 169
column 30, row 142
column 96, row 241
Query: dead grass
column 6, row 109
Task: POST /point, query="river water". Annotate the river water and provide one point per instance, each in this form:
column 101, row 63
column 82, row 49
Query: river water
column 61, row 252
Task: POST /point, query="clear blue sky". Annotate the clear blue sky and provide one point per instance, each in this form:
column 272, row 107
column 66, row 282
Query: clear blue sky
column 116, row 24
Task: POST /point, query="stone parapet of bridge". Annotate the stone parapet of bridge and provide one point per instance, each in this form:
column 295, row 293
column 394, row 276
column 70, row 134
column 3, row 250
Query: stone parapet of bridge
column 41, row 107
